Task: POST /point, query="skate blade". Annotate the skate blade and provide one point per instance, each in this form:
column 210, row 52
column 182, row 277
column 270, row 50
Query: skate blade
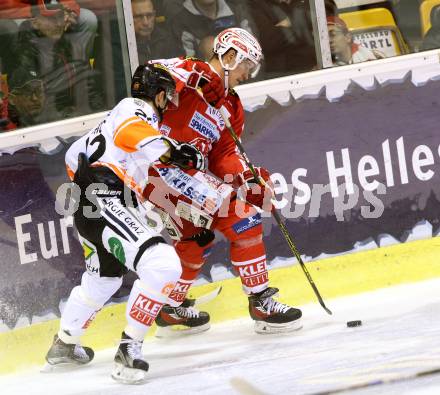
column 61, row 367
column 265, row 328
column 180, row 330
column 127, row 375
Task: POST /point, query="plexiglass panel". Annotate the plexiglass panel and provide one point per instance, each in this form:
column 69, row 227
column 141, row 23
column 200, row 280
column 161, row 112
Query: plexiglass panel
column 60, row 60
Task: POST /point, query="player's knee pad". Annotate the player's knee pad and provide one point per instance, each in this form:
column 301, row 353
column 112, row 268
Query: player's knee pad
column 159, row 266
column 97, row 290
column 143, row 306
column 191, row 252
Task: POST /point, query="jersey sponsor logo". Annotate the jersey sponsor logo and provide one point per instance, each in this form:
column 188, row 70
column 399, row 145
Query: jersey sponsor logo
column 193, row 215
column 88, row 251
column 254, row 274
column 213, row 182
column 170, row 226
column 191, row 188
column 165, row 130
column 221, row 189
column 139, row 103
column 134, row 225
column 179, row 292
column 166, row 290
column 247, row 223
column 214, row 113
column 90, row 256
column 255, row 281
column 117, row 249
column 204, row 127
column 145, row 310
column 92, row 266
column 119, row 212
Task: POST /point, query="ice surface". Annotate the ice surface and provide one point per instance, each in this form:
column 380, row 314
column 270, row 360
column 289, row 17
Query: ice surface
column 400, row 336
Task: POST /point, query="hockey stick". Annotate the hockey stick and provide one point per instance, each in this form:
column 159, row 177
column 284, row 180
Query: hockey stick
column 275, row 213
column 207, row 297
column 373, row 383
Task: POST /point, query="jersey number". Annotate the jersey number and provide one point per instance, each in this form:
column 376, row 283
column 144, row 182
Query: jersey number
column 100, row 141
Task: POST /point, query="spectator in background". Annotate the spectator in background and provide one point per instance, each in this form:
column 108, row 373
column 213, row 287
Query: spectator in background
column 81, row 24
column 43, row 46
column 8, row 37
column 206, row 48
column 26, row 98
column 167, row 9
column 286, row 34
column 432, row 36
column 153, row 41
column 344, row 50
column 5, row 122
column 204, row 19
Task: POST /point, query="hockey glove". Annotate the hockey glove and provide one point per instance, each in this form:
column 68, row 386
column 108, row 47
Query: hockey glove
column 209, row 82
column 257, row 192
column 183, row 155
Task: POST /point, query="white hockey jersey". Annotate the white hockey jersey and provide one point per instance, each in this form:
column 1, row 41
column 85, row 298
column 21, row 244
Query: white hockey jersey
column 127, row 141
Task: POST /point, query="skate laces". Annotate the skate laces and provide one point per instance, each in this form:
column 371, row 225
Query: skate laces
column 273, row 306
column 79, row 352
column 134, row 348
column 187, row 312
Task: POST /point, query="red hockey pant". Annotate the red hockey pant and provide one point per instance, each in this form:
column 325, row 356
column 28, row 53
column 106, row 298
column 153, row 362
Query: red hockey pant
column 248, row 254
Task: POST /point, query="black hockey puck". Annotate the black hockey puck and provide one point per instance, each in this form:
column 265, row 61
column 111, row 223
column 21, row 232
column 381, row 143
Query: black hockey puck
column 352, row 324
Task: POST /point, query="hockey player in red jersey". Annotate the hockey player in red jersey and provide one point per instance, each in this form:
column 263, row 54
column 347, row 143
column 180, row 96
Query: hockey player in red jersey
column 203, row 89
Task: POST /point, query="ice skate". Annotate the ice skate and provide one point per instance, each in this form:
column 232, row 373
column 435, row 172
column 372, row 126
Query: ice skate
column 182, row 320
column 61, row 355
column 130, row 367
column 271, row 316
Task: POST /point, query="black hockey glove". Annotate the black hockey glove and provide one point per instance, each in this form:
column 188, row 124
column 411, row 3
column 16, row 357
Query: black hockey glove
column 184, row 155
column 82, row 175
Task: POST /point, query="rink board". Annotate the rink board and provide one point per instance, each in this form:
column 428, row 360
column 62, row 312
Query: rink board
column 337, row 276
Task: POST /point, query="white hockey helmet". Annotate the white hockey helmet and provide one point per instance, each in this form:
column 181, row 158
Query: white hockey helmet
column 247, row 46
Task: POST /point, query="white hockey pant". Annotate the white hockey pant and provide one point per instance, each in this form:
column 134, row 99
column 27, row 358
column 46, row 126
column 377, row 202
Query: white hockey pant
column 84, row 302
column 158, row 270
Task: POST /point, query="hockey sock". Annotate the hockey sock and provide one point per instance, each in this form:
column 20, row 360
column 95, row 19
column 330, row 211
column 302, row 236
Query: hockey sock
column 143, row 306
column 178, row 294
column 158, row 271
column 250, row 262
column 85, row 301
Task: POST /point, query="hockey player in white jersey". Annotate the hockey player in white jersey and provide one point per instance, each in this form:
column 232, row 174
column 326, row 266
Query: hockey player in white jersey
column 112, row 158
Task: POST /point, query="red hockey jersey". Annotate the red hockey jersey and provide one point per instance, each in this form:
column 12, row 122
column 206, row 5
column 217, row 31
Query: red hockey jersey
column 195, row 121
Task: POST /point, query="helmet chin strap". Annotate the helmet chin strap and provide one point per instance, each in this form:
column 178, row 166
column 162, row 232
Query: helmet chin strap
column 227, row 68
column 159, row 110
column 226, row 81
